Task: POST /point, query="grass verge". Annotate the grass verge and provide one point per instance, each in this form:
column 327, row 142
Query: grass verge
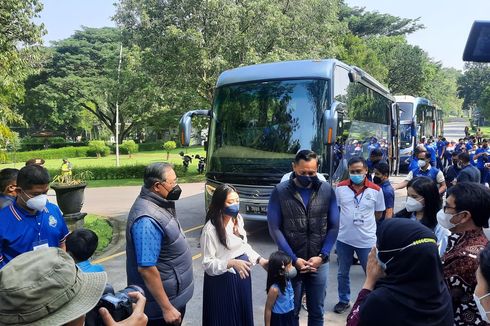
column 101, row 227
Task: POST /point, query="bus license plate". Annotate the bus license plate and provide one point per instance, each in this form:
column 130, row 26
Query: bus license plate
column 261, row 210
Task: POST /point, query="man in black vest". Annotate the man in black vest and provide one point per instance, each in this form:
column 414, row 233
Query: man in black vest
column 303, row 219
column 158, row 257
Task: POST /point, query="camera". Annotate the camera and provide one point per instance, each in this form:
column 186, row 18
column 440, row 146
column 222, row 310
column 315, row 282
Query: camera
column 119, row 305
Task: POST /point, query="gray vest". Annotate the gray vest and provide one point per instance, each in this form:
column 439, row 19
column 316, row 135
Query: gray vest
column 175, row 259
column 304, row 228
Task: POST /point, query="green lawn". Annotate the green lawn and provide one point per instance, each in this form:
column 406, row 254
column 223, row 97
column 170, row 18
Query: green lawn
column 142, row 158
column 486, row 132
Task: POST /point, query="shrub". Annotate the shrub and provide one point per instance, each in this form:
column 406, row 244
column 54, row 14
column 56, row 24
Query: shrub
column 98, row 148
column 129, row 147
column 113, row 172
column 168, row 146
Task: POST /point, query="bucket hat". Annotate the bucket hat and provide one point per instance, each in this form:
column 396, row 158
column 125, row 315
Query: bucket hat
column 46, row 288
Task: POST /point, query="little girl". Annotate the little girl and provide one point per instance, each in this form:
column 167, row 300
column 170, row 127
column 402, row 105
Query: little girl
column 279, row 307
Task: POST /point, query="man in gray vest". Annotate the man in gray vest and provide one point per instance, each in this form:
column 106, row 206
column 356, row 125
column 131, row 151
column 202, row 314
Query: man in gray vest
column 303, row 220
column 158, row 257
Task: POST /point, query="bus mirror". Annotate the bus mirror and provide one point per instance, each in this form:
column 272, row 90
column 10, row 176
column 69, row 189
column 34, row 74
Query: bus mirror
column 330, row 119
column 185, row 125
column 354, row 76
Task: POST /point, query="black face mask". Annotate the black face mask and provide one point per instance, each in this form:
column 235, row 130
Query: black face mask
column 377, row 180
column 305, row 180
column 174, row 194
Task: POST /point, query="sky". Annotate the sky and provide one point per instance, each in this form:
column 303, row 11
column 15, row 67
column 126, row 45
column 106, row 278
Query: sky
column 447, row 22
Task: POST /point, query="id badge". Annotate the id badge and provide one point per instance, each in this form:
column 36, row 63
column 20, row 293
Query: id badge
column 40, row 244
column 358, row 219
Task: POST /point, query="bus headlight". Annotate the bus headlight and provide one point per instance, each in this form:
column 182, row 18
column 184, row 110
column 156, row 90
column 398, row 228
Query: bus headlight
column 210, row 189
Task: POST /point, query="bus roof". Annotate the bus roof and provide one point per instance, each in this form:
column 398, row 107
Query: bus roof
column 278, row 70
column 414, row 100
column 300, row 69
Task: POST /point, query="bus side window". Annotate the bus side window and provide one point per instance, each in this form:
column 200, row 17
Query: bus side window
column 340, row 90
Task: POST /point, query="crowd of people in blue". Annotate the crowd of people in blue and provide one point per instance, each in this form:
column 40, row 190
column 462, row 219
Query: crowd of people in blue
column 428, row 264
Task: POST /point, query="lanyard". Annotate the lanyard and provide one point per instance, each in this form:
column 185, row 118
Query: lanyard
column 358, row 201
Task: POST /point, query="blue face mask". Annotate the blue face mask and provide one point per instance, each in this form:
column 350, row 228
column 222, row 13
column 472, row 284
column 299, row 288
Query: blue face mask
column 357, row 178
column 232, row 210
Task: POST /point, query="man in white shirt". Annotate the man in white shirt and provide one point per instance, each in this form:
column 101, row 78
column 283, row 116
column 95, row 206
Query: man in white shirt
column 361, row 202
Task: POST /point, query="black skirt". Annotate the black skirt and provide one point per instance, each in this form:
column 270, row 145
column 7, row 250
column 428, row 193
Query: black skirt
column 286, row 319
column 227, row 300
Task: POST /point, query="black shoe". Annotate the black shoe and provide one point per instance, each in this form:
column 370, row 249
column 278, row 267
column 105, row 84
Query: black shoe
column 341, row 307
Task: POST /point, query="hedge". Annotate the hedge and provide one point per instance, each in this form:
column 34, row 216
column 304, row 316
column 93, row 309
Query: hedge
column 57, row 153
column 148, row 147
column 113, row 172
column 35, row 146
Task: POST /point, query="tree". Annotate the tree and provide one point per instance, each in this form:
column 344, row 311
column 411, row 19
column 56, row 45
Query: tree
column 168, row 146
column 188, row 43
column 472, row 84
column 82, row 74
column 406, row 64
column 372, row 23
column 129, row 146
column 19, row 36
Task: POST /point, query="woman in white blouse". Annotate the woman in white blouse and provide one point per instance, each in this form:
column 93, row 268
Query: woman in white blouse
column 227, row 259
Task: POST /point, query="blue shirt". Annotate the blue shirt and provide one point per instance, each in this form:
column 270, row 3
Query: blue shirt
column 440, row 146
column 482, row 159
column 20, row 231
column 432, row 152
column 147, row 238
column 389, row 195
column 87, row 267
column 413, row 164
column 285, row 301
column 274, row 220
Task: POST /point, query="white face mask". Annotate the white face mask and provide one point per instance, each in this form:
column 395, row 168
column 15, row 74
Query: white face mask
column 444, row 219
column 413, row 205
column 421, row 163
column 37, row 203
column 481, row 310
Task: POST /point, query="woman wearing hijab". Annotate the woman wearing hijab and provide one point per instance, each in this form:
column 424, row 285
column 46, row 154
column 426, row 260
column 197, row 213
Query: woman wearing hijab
column 465, row 214
column 227, row 260
column 404, row 281
column 423, row 203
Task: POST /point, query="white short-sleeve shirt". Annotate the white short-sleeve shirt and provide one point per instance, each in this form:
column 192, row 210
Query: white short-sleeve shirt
column 357, row 220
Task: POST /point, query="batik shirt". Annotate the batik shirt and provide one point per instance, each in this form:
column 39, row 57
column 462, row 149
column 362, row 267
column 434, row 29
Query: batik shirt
column 460, row 263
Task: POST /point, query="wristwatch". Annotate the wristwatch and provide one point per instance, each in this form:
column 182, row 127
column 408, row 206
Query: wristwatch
column 323, row 257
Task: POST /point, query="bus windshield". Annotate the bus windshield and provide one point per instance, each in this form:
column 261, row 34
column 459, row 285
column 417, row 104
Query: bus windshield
column 258, row 127
column 406, row 110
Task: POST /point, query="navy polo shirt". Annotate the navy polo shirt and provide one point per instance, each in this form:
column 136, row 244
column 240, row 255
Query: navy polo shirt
column 20, row 231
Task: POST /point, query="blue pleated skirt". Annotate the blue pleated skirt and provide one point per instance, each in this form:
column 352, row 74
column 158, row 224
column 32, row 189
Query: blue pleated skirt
column 227, row 300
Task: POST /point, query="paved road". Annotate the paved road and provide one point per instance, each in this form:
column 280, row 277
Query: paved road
column 115, row 202
column 455, row 129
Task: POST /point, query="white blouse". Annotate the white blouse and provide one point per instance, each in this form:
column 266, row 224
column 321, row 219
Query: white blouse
column 216, row 256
